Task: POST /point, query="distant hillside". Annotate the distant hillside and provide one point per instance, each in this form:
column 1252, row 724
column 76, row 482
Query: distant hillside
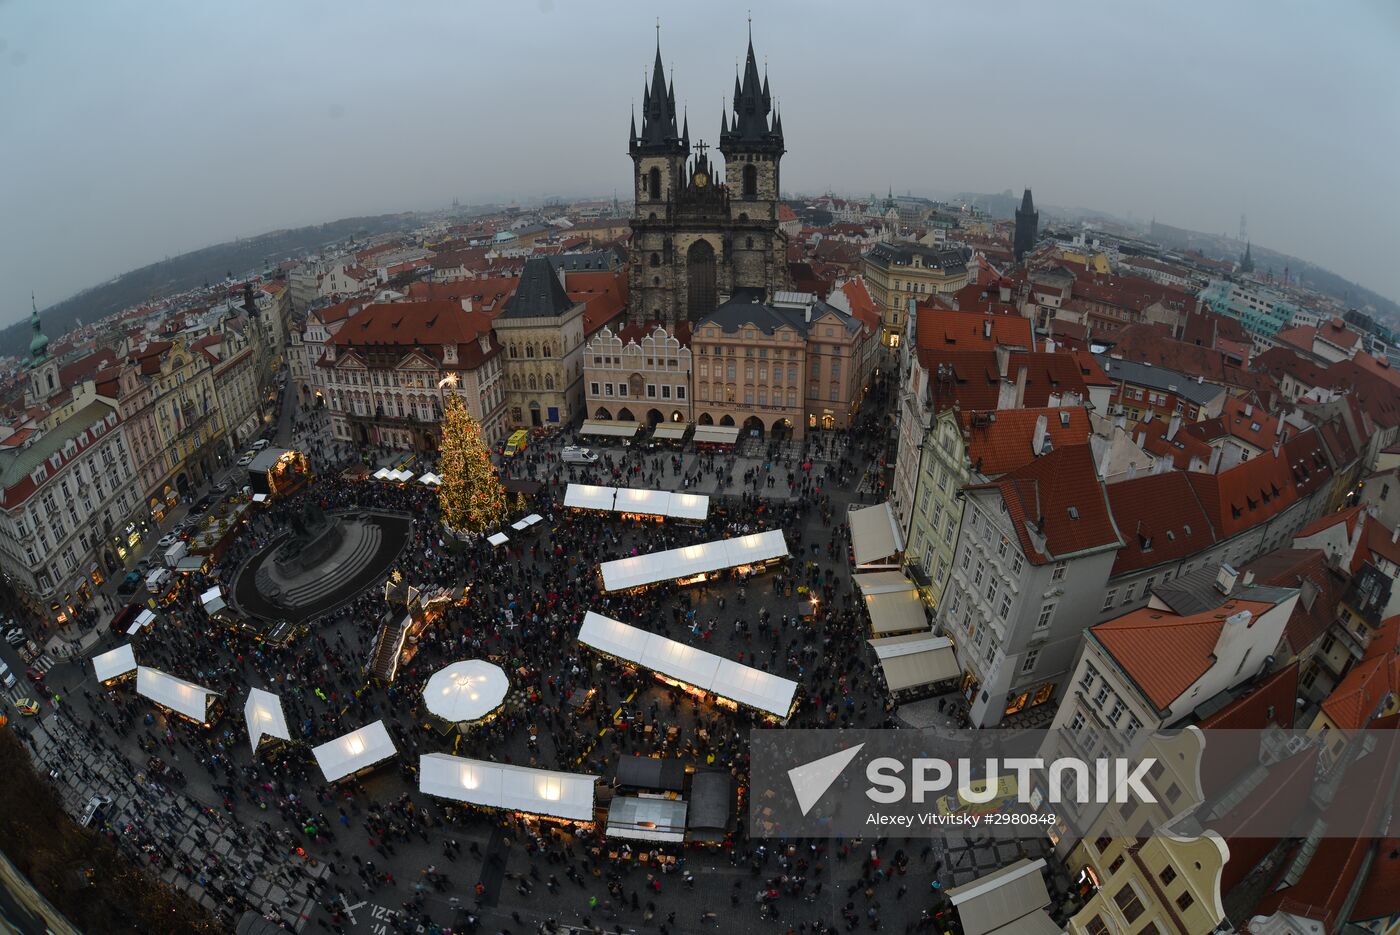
column 190, row 270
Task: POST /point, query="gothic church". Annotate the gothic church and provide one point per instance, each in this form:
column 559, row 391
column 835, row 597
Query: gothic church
column 698, row 239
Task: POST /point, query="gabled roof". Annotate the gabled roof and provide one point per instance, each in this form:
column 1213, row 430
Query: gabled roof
column 747, row 310
column 1322, row 587
column 1154, row 377
column 539, row 293
column 1376, row 539
column 1349, row 516
column 1166, row 653
column 1057, row 505
column 1245, row 495
column 1160, row 520
column 1001, row 441
column 961, row 330
column 1358, row 697
column 1181, row 447
column 1273, row 700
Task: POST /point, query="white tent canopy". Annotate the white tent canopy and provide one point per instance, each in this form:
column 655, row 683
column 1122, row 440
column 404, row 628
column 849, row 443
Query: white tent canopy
column 466, row 691
column 401, row 475
column 739, row 683
column 639, row 570
column 589, row 497
column 875, row 535
column 114, row 663
column 650, row 502
column 352, row 752
column 527, row 522
column 615, row 428
column 515, row 788
column 916, row 659
column 382, row 474
column 498, row 538
column 893, row 603
column 213, row 600
column 179, row 696
column 259, row 498
column 689, row 506
column 263, row 713
column 1009, row 901
column 431, row 479
column 144, row 619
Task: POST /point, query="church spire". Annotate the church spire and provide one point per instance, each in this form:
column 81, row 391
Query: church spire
column 1247, row 263
column 39, row 344
column 751, row 127
column 659, row 132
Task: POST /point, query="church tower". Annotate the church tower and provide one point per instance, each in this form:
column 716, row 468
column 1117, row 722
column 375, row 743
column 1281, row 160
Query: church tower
column 1027, row 227
column 659, row 154
column 43, row 369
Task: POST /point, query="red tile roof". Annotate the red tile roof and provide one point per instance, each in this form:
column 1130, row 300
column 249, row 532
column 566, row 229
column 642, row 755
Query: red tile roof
column 84, row 367
column 1269, row 701
column 1322, row 589
column 964, row 330
column 862, row 305
column 1165, row 653
column 1347, row 516
column 1160, row 519
column 1182, row 448
column 424, row 327
column 1357, row 698
column 1376, row 540
column 1059, row 499
column 603, row 292
column 1245, row 495
column 1380, row 894
column 1000, row 441
column 1152, row 343
column 487, row 295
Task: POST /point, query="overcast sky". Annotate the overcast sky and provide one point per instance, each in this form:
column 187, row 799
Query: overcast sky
column 133, row 131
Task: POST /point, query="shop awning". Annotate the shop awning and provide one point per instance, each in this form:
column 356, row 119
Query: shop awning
column 734, row 681
column 670, row 430
column 263, row 713
column 609, row 427
column 114, row 663
column 716, row 434
column 894, row 607
column 875, row 536
column 651, row 772
column 1005, row 902
column 638, row 570
column 514, row 788
column 646, row 819
column 352, row 752
column 589, row 497
column 498, row 539
column 179, row 696
column 916, row 659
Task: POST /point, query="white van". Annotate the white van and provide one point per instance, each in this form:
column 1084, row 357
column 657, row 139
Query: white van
column 573, row 454
column 155, row 581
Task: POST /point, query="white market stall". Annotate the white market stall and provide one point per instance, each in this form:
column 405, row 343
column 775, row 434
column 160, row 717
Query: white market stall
column 430, row 479
column 527, row 522
column 731, row 682
column 382, row 474
column 143, row 620
column 213, row 600
column 694, row 562
column 589, row 497
column 353, row 753
column 611, row 428
column 638, row 503
column 498, row 539
column 265, row 717
column 531, row 792
column 466, row 692
column 114, row 664
column 190, row 701
column 917, row 660
column 876, row 538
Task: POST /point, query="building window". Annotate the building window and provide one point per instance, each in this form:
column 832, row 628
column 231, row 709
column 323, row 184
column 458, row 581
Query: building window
column 1029, row 662
column 1047, row 613
column 680, row 392
column 1017, row 563
column 1116, row 712
column 1128, row 903
column 1005, row 609
column 593, row 389
column 1091, row 675
column 1102, row 695
column 1184, row 901
column 1076, row 724
column 1059, row 573
column 1134, row 725
column 1128, row 594
column 1109, row 598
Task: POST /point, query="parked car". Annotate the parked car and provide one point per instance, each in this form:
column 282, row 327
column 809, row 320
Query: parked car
column 130, row 583
column 202, row 504
column 260, row 444
column 246, row 460
column 14, row 636
column 169, row 539
column 7, row 678
column 221, row 488
column 574, row 454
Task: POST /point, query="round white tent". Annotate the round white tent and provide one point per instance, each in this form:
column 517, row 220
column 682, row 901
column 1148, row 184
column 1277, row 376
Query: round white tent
column 466, row 692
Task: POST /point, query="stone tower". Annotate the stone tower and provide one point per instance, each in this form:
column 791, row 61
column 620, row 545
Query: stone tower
column 1027, row 227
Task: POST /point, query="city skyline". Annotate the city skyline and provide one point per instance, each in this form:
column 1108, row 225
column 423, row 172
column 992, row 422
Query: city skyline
column 292, row 136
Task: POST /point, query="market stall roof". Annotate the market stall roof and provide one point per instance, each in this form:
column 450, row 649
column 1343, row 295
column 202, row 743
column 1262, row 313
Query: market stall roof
column 589, row 497
column 684, row 663
column 711, row 804
column 639, row 570
column 916, row 659
column 527, row 522
column 114, row 663
column 651, row 772
column 882, row 582
column 650, row 502
column 143, row 619
column 646, row 819
column 896, row 611
column 264, row 716
column 875, row 535
column 402, row 475
column 259, row 498
column 431, row 479
column 352, row 752
column 498, row 539
column 191, row 563
column 717, row 434
column 466, row 691
column 1005, row 902
column 382, row 474
column 670, row 430
column 266, row 459
column 520, row 485
column 500, row 785
column 615, row 428
column 213, row 600
column 180, row 696
column 689, row 506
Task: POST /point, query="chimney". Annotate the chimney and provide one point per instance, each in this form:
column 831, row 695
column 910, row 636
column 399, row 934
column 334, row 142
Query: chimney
column 1174, row 426
column 1003, row 359
column 987, row 328
column 1005, row 293
column 1021, row 387
column 1104, row 459
column 1225, row 579
column 1248, row 410
column 1049, row 345
column 1038, row 437
column 1215, row 454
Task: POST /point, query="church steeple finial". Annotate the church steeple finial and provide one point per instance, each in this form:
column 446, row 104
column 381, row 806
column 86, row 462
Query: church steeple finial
column 39, row 344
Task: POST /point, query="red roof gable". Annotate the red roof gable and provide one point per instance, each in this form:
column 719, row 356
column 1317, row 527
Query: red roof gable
column 1058, row 500
column 1357, row 698
column 936, row 327
column 1160, row 520
column 1245, row 495
column 1002, row 442
column 1322, row 588
column 1270, row 701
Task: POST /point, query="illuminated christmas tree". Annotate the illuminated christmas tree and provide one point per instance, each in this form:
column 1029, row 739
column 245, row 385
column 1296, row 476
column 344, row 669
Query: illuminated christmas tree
column 471, row 496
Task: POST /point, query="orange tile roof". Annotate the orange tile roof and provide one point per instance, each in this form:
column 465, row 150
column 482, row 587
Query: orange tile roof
column 937, row 327
column 1160, row 519
column 862, row 305
column 1317, row 606
column 1357, row 698
column 1151, row 436
column 419, row 326
column 1271, row 701
column 1380, row 894
column 1059, row 495
column 1002, row 443
column 1165, row 653
column 1376, row 540
column 1347, row 516
column 1247, row 494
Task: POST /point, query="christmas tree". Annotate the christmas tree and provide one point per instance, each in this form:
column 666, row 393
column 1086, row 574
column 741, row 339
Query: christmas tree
column 471, row 496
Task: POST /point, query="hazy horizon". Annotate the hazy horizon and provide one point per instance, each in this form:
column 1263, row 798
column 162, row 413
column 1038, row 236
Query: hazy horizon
column 151, row 131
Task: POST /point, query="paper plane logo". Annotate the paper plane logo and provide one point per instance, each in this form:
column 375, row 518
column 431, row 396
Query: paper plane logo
column 811, row 780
